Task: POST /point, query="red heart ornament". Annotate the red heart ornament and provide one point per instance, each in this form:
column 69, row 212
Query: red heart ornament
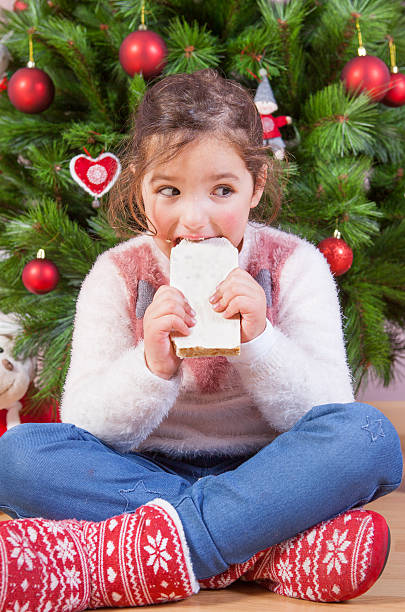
column 97, row 175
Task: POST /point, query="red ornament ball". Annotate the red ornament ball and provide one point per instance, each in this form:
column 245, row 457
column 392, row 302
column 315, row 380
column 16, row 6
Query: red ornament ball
column 368, row 74
column 31, row 90
column 338, row 255
column 40, row 276
column 3, row 84
column 143, row 52
column 20, row 6
column 395, row 96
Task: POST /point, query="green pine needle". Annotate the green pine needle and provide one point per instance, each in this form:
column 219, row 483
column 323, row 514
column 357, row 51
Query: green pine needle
column 191, row 47
column 339, row 124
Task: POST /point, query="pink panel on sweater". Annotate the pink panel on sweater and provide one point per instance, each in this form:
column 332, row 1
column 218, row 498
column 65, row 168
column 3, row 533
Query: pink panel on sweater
column 270, row 252
column 135, row 263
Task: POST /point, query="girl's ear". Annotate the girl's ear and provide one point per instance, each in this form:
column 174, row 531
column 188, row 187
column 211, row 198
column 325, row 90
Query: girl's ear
column 261, row 178
column 132, row 168
column 259, row 186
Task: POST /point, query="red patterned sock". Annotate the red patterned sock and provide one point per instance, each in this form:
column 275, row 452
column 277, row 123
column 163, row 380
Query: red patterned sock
column 233, row 573
column 128, row 560
column 336, row 560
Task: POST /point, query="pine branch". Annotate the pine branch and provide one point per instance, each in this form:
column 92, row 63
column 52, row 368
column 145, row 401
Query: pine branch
column 47, row 166
column 19, row 131
column 93, row 135
column 71, row 42
column 12, row 175
column 390, row 135
column 284, row 22
column 224, row 18
column 339, row 124
column 251, row 50
column 93, row 13
column 191, row 48
column 47, row 226
column 50, row 338
column 368, row 346
column 390, row 244
column 136, row 90
column 103, row 230
column 130, row 11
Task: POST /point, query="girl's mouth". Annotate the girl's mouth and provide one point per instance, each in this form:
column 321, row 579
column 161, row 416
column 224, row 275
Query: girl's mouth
column 193, row 238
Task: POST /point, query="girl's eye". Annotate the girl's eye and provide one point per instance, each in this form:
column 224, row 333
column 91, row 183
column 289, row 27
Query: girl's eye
column 169, row 191
column 223, row 191
column 1, row 350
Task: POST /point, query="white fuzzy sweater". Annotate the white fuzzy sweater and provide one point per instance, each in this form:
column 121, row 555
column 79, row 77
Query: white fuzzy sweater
column 213, row 405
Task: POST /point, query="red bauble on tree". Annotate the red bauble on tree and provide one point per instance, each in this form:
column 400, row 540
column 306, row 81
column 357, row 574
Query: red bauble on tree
column 337, row 253
column 40, row 275
column 19, row 5
column 143, row 52
column 31, row 90
column 368, row 74
column 395, row 95
column 3, row 84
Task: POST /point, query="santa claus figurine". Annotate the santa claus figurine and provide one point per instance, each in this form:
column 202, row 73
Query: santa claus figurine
column 16, row 376
column 266, row 105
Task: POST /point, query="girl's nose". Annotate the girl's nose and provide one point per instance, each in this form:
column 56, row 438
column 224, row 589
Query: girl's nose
column 193, row 216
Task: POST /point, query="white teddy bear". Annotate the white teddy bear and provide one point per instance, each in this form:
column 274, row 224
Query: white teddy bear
column 15, row 375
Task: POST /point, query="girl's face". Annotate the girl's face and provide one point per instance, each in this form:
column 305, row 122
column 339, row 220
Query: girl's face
column 206, row 191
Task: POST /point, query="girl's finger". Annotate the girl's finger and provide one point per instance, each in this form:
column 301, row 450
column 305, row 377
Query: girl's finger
column 170, row 305
column 215, row 297
column 172, row 323
column 238, row 305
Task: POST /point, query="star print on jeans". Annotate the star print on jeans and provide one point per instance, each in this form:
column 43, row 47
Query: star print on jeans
column 374, row 428
column 137, row 496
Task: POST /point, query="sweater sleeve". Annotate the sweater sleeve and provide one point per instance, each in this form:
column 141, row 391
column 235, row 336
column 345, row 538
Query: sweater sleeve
column 281, row 120
column 109, row 390
column 301, row 361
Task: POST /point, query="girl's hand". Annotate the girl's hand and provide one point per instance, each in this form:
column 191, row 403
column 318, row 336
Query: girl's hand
column 168, row 312
column 240, row 293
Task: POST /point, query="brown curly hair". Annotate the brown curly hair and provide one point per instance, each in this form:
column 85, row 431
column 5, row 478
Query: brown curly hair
column 174, row 112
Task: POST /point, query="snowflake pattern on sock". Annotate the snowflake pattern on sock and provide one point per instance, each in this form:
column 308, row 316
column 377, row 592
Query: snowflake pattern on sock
column 336, row 560
column 42, row 566
column 66, row 566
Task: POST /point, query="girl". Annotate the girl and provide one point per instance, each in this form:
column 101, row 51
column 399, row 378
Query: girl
column 167, row 475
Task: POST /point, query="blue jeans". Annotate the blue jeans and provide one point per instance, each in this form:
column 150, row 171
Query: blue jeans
column 335, row 457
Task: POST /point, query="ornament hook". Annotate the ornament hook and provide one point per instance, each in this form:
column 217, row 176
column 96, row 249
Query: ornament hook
column 361, row 50
column 31, row 63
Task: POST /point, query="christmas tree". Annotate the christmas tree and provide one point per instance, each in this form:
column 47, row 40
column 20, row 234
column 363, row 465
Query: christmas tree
column 342, row 170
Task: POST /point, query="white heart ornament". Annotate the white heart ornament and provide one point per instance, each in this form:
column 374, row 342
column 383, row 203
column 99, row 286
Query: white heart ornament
column 95, row 175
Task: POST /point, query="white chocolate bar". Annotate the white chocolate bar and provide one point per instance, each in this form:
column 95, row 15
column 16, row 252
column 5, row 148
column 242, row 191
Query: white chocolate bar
column 196, row 268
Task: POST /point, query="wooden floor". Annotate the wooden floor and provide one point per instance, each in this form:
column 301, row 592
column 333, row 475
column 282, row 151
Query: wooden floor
column 388, row 593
